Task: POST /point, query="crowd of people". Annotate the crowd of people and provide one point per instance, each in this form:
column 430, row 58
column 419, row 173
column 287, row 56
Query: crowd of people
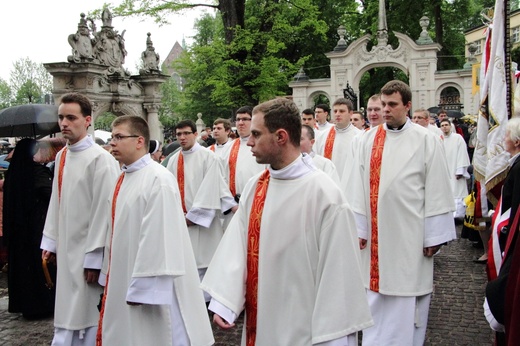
column 319, row 224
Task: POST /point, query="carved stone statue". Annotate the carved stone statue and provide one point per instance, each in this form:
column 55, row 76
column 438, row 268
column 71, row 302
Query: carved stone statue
column 81, row 43
column 109, row 45
column 150, row 58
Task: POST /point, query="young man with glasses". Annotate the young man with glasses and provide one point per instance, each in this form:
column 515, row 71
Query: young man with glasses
column 239, row 163
column 147, row 212
column 204, row 193
column 76, row 224
column 421, row 117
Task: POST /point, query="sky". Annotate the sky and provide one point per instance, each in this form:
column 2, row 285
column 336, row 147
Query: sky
column 39, row 30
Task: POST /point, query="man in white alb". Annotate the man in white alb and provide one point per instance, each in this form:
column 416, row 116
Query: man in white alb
column 306, row 142
column 458, row 163
column 237, row 159
column 403, row 209
column 152, row 293
column 321, row 113
column 421, row 117
column 289, row 256
column 76, row 223
column 335, row 143
column 221, row 130
column 204, row 193
column 374, row 110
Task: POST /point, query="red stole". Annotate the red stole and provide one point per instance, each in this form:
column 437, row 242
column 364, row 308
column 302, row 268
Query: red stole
column 180, row 179
column 376, row 158
column 233, row 156
column 60, row 171
column 329, row 144
column 253, row 248
column 99, row 340
column 212, row 148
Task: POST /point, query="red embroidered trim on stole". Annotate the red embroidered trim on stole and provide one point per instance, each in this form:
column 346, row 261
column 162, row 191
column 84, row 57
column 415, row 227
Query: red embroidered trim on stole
column 329, row 144
column 376, row 159
column 180, row 179
column 60, row 172
column 99, row 338
column 253, row 248
column 233, row 156
column 212, row 148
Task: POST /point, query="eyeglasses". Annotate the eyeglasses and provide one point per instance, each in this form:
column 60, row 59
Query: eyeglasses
column 243, row 119
column 117, row 138
column 185, row 133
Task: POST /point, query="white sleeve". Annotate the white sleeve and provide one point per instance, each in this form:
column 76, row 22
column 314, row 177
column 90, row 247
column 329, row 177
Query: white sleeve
column 347, row 340
column 48, row 244
column 222, row 311
column 439, row 229
column 153, row 290
column 200, row 216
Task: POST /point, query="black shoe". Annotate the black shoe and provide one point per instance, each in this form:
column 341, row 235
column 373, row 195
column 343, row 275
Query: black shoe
column 480, row 261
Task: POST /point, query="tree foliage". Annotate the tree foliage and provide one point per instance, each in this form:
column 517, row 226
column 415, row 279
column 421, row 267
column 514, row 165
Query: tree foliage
column 5, row 94
column 250, row 49
column 29, row 82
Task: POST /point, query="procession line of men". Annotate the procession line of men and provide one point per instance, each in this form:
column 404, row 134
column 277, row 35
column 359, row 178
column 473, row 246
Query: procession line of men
column 310, row 260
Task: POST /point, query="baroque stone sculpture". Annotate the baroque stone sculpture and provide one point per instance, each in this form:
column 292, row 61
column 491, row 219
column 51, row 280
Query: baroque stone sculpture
column 150, row 58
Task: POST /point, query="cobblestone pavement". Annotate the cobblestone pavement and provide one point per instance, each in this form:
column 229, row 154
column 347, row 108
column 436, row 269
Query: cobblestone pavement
column 456, row 316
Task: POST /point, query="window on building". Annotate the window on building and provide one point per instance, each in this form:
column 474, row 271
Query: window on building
column 515, row 35
column 478, row 44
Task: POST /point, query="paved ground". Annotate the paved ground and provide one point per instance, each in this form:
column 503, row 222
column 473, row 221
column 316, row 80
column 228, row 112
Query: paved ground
column 456, row 316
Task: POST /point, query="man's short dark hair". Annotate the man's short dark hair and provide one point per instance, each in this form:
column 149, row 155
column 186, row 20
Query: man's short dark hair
column 282, row 113
column 225, row 122
column 310, row 131
column 245, row 109
column 137, row 125
column 308, row 111
column 186, row 123
column 323, row 106
column 84, row 103
column 445, row 121
column 397, row 86
column 344, row 101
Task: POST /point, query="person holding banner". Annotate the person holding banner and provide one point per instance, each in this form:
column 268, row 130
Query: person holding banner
column 505, row 235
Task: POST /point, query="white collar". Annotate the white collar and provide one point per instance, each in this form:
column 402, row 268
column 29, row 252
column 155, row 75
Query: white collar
column 406, row 125
column 345, row 129
column 300, row 167
column 137, row 165
column 82, row 144
column 194, row 148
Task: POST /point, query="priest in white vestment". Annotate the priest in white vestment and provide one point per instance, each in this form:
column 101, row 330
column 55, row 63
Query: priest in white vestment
column 221, row 131
column 336, row 142
column 204, row 193
column 306, row 142
column 321, row 113
column 421, row 117
column 290, row 254
column 237, row 159
column 152, row 293
column 76, row 223
column 403, row 209
column 458, row 163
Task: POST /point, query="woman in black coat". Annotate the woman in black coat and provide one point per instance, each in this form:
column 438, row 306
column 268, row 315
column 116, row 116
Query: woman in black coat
column 27, row 191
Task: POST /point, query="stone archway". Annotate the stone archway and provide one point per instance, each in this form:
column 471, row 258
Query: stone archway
column 97, row 72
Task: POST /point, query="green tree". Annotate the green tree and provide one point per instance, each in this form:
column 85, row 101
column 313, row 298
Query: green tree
column 104, row 121
column 5, row 94
column 29, row 81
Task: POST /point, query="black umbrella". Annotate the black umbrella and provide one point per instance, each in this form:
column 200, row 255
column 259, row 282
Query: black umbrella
column 31, row 120
column 450, row 112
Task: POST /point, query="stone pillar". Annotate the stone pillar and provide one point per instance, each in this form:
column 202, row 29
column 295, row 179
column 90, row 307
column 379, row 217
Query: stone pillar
column 200, row 123
column 156, row 128
column 152, row 101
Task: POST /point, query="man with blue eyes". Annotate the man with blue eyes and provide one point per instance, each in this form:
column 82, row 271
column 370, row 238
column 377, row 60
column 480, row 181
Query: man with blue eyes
column 76, row 224
column 204, row 193
column 403, row 205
